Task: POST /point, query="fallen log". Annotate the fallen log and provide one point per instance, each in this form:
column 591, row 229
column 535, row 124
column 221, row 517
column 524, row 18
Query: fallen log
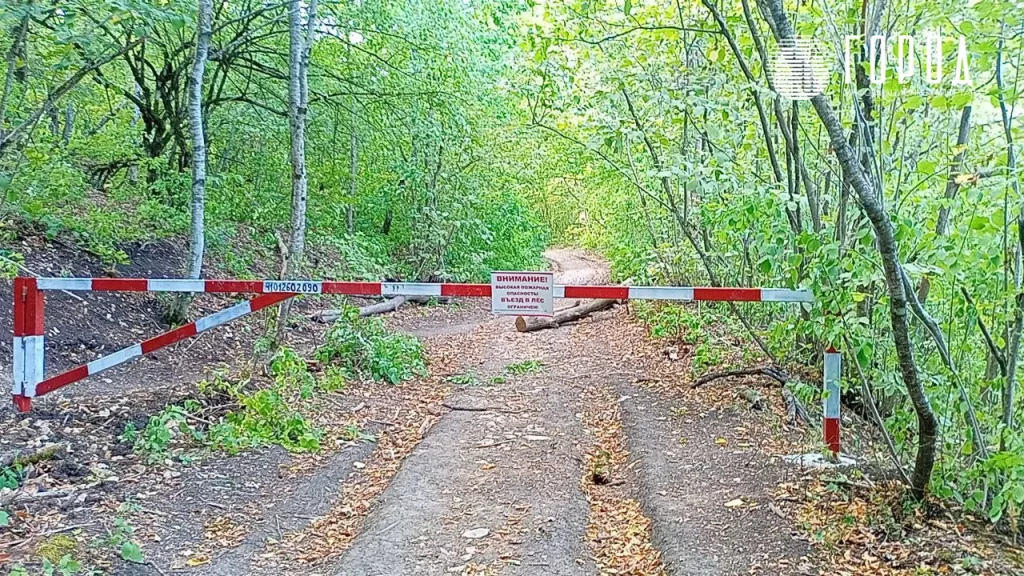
column 24, row 458
column 564, row 308
column 328, row 316
column 390, row 305
column 564, row 316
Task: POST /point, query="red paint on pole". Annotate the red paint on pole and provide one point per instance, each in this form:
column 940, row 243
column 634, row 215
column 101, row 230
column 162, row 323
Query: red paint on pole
column 832, row 434
column 168, row 338
column 465, row 289
column 261, row 302
column 62, row 380
column 120, row 284
column 20, row 289
column 22, row 403
column 727, row 294
column 352, row 288
column 608, row 292
column 34, row 304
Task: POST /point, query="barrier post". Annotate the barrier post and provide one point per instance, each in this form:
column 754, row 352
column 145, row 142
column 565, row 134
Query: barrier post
column 832, row 371
column 29, row 343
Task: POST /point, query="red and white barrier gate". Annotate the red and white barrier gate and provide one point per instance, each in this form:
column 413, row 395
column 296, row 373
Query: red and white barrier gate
column 29, row 332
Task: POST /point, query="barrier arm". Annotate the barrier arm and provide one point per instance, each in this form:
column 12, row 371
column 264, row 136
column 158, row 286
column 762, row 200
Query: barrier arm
column 29, row 365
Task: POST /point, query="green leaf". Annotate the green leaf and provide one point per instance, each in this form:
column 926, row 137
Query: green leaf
column 131, row 552
column 627, row 6
column 5, row 519
column 926, row 167
column 914, row 102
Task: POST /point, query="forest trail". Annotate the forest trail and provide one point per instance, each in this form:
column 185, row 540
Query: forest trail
column 503, row 482
column 574, row 451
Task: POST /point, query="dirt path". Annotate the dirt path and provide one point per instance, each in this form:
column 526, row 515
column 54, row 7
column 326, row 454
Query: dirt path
column 503, row 482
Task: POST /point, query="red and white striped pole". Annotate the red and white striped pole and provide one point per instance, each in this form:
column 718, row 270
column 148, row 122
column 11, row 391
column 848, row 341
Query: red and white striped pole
column 28, row 341
column 832, row 372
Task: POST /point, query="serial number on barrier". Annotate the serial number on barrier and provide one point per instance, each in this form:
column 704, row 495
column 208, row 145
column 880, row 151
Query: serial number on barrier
column 296, row 286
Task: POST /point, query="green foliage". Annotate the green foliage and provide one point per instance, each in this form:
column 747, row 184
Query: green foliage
column 363, row 347
column 439, row 157
column 463, row 379
column 121, row 538
column 353, row 433
column 65, row 567
column 665, row 320
column 266, row 416
column 10, row 477
column 710, row 205
column 524, row 367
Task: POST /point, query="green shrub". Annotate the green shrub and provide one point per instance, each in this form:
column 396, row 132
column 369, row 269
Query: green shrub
column 365, row 348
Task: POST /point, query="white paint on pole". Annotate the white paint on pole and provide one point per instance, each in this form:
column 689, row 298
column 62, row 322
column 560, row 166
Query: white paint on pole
column 410, row 289
column 680, row 294
column 224, row 316
column 32, row 363
column 523, row 293
column 19, row 366
column 82, row 284
column 832, row 371
column 297, row 286
column 786, row 295
column 110, row 360
column 175, row 285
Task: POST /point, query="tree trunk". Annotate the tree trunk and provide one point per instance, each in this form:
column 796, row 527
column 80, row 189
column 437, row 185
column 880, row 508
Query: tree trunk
column 20, row 34
column 353, row 148
column 952, row 186
column 1013, row 345
column 69, row 124
column 854, row 173
column 197, row 242
column 563, row 317
column 298, row 101
column 133, row 170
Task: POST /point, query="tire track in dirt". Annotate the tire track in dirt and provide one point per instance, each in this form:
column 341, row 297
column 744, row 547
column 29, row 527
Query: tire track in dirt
column 506, row 462
column 698, row 470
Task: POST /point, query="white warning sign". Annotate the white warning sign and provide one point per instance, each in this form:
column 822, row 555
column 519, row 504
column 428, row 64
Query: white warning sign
column 523, row 293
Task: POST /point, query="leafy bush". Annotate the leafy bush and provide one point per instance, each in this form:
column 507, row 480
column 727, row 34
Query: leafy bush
column 265, row 417
column 365, row 348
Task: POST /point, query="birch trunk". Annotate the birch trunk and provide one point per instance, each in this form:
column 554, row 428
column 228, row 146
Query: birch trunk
column 133, row 170
column 69, row 124
column 854, row 173
column 353, row 150
column 298, row 102
column 1014, row 340
column 197, row 242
